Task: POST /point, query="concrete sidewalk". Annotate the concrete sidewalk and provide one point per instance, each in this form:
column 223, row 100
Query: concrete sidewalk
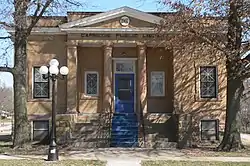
column 131, row 157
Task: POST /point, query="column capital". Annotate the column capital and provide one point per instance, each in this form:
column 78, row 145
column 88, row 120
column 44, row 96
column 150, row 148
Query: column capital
column 141, row 46
column 72, row 43
column 108, row 45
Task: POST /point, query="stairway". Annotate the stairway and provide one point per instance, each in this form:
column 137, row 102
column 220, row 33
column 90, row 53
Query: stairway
column 124, row 130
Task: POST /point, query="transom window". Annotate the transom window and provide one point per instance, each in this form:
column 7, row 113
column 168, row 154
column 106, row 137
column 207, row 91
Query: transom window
column 124, row 66
column 208, row 82
column 91, row 83
column 40, row 85
column 157, row 83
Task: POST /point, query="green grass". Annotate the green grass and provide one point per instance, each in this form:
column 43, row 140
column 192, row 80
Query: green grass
column 192, row 163
column 49, row 163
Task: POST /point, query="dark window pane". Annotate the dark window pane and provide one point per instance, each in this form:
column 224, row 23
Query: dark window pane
column 208, row 83
column 40, row 130
column 209, row 129
column 92, row 83
column 41, row 125
column 125, row 95
column 40, row 85
column 124, row 83
column 38, row 76
column 208, row 125
column 41, row 89
column 40, row 135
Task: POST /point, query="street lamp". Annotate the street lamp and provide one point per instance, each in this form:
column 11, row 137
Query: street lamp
column 52, row 72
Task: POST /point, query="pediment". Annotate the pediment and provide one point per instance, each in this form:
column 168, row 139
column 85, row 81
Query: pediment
column 116, row 18
column 116, row 23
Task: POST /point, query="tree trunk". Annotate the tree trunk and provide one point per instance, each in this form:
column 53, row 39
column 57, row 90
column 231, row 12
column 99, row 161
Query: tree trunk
column 21, row 124
column 231, row 139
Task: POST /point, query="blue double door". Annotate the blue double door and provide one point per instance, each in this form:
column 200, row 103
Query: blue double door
column 124, row 121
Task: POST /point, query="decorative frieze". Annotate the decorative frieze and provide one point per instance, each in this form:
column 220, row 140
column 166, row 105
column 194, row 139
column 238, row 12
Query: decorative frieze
column 123, row 35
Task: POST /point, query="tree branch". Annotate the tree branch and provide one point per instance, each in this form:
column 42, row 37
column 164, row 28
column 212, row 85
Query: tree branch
column 37, row 16
column 5, row 37
column 6, row 69
column 5, row 24
column 73, row 3
column 205, row 39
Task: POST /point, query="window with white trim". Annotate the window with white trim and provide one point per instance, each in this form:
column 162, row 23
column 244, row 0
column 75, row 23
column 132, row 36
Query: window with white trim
column 40, row 130
column 91, row 83
column 40, row 85
column 157, row 83
column 208, row 82
column 209, row 129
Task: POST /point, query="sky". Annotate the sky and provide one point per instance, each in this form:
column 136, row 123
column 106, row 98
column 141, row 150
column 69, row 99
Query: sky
column 144, row 5
column 91, row 5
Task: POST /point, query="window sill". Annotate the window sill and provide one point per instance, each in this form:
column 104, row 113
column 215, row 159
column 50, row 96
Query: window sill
column 85, row 97
column 40, row 100
column 156, row 97
column 208, row 100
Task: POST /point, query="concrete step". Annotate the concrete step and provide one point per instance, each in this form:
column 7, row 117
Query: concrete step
column 124, row 128
column 124, row 136
column 124, row 144
column 127, row 139
column 127, row 123
column 124, row 119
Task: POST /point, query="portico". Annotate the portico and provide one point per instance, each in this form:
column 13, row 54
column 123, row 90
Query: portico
column 113, row 63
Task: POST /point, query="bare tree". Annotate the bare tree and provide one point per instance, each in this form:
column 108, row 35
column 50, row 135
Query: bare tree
column 26, row 14
column 224, row 25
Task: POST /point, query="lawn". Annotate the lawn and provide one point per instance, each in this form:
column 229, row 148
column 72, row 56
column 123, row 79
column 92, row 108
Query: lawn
column 23, row 162
column 192, row 163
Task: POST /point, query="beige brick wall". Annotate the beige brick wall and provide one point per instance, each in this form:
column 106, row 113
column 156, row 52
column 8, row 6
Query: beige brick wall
column 187, row 61
column 40, row 50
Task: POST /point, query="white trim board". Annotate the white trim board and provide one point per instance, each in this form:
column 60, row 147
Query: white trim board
column 124, row 59
column 122, row 11
column 110, row 30
column 57, row 31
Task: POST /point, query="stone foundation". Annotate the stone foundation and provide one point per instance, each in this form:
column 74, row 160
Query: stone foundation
column 160, row 131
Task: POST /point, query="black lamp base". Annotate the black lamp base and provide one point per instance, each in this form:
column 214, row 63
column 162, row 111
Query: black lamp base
column 53, row 153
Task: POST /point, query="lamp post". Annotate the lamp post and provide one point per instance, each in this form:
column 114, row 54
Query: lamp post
column 52, row 72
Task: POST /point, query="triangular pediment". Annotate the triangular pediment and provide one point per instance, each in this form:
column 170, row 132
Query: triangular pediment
column 110, row 17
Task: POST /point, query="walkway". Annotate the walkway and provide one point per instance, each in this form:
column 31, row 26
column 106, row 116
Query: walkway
column 131, row 157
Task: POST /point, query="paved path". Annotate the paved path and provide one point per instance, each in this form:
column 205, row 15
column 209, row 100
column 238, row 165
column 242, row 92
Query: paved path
column 129, row 157
column 120, row 162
